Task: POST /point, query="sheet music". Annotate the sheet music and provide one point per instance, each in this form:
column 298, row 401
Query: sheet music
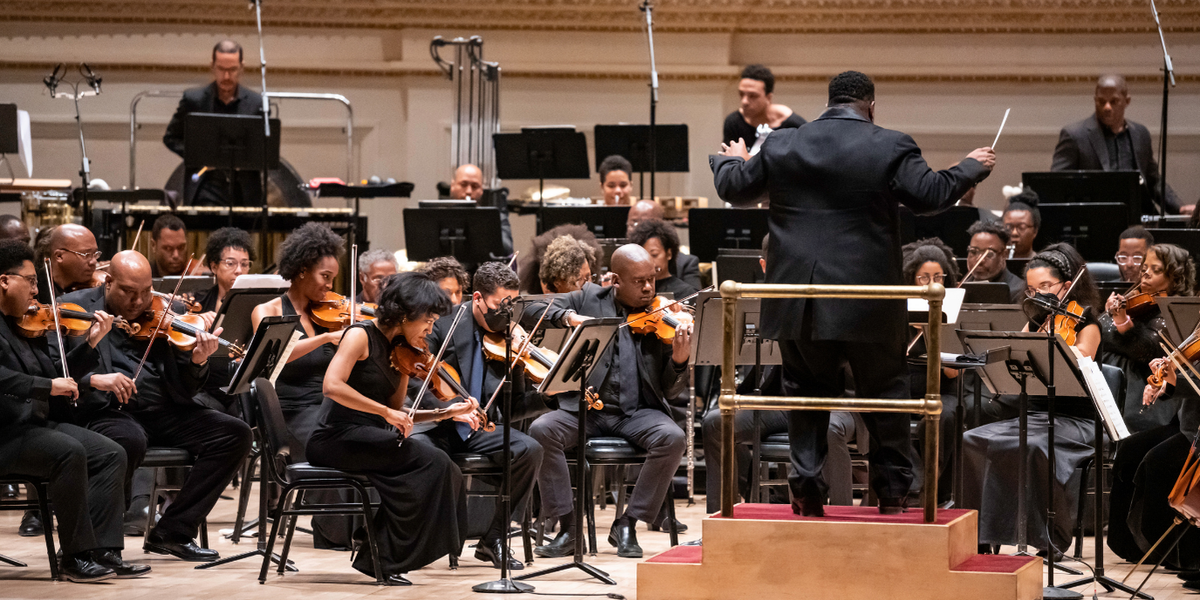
column 286, row 354
column 1106, row 405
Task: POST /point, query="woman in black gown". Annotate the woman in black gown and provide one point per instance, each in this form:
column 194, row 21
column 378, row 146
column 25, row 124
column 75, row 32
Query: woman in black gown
column 422, row 515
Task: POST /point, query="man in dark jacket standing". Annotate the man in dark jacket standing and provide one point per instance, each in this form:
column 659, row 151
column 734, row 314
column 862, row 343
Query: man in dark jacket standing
column 836, row 185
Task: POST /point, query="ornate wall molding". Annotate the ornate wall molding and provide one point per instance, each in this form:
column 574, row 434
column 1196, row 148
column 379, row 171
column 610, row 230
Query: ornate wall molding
column 722, row 16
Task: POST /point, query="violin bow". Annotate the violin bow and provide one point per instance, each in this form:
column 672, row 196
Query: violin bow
column 62, row 352
column 412, row 410
column 159, row 323
column 668, row 305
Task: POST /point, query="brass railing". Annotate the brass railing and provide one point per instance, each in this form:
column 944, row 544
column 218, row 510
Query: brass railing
column 930, row 406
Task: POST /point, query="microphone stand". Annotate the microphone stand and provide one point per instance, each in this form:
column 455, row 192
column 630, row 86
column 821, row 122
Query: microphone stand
column 647, row 7
column 1168, row 83
column 266, row 113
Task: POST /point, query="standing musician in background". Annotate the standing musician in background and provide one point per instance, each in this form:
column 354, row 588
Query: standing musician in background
column 168, row 246
column 422, row 514
column 74, row 256
column 633, row 378
column 756, row 94
column 374, row 268
column 151, row 404
column 450, row 275
column 495, row 286
column 835, row 188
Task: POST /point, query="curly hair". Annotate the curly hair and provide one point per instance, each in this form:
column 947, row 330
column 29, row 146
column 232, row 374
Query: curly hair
column 530, row 265
column 664, row 231
column 1065, row 263
column 1178, row 267
column 929, row 250
column 226, row 237
column 564, row 259
column 447, row 266
column 410, row 295
column 305, row 247
column 995, row 228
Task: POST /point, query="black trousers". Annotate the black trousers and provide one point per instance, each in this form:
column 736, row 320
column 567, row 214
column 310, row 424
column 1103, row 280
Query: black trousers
column 85, row 471
column 217, row 442
column 526, row 462
column 813, row 368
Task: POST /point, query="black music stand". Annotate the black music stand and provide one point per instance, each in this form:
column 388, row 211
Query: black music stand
column 633, row 143
column 605, row 222
column 271, row 342
column 1089, row 187
column 541, row 154
column 575, row 364
column 1092, row 228
column 715, row 228
column 472, row 235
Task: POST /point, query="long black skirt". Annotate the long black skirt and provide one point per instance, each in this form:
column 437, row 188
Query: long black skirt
column 422, row 515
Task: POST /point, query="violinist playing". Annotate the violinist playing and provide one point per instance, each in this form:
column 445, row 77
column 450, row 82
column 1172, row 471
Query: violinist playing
column 1131, row 324
column 422, row 515
column 139, row 404
column 634, row 377
column 1055, row 278
column 495, row 286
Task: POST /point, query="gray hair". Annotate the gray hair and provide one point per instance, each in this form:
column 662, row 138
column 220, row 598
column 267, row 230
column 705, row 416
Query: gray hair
column 378, row 255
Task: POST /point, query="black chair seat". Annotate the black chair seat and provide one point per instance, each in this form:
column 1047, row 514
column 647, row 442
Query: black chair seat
column 167, row 457
column 475, row 464
column 307, row 472
column 602, row 450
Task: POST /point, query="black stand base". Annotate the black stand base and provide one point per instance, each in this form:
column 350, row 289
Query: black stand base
column 256, row 553
column 1059, row 593
column 502, row 586
column 582, row 566
column 1109, row 584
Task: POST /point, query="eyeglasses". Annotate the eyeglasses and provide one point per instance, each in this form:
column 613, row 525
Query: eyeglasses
column 84, row 255
column 972, row 251
column 1045, row 288
column 232, row 263
column 925, row 279
column 1128, row 259
column 29, row 278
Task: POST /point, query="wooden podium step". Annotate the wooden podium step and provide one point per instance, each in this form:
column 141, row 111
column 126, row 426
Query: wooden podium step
column 765, row 551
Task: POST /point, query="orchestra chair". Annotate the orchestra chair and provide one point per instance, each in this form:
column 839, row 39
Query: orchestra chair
column 42, row 505
column 479, row 465
column 621, row 454
column 1103, row 271
column 1116, row 382
column 159, row 459
column 296, row 477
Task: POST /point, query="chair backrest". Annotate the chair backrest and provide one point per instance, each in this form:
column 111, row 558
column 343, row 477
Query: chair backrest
column 275, row 434
column 1116, row 382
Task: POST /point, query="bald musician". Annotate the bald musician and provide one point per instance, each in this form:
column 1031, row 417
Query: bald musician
column 74, row 256
column 468, row 185
column 687, row 266
column 155, row 407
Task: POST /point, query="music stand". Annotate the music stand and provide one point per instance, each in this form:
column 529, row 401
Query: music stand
column 229, row 142
column 715, row 228
column 541, row 154
column 234, row 314
column 575, row 364
column 633, row 143
column 603, row 221
column 271, row 343
column 1090, row 187
column 1092, row 228
column 471, row 235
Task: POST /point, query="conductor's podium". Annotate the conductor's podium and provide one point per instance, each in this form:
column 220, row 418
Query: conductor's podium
column 765, row 551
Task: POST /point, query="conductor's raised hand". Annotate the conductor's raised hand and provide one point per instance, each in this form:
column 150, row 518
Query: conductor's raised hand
column 985, row 156
column 737, row 148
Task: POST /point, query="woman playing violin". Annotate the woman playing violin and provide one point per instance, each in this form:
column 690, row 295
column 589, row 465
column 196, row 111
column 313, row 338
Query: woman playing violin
column 422, row 515
column 1131, row 324
column 991, row 453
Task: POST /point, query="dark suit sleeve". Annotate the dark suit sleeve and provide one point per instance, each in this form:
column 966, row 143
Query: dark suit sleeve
column 924, row 190
column 173, row 138
column 740, row 182
column 1066, row 153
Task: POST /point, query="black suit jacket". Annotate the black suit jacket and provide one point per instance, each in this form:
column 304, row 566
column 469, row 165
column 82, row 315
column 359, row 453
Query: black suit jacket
column 660, row 377
column 836, row 186
column 1081, row 147
column 181, row 378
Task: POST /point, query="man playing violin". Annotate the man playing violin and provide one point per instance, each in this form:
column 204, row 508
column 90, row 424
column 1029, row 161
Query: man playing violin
column 74, row 256
column 147, row 404
column 85, row 470
column 495, row 286
column 634, row 377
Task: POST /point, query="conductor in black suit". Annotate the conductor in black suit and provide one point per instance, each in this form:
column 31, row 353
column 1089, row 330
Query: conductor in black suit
column 1107, row 141
column 225, row 95
column 836, row 186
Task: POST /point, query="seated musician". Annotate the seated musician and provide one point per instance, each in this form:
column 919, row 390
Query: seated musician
column 687, row 266
column 990, row 452
column 634, row 377
column 565, row 267
column 168, row 246
column 140, row 404
column 661, row 241
column 450, row 276
column 494, row 285
column 616, row 173
column 1023, row 220
column 1131, row 252
column 1131, row 335
column 530, row 264
column 13, row 228
column 993, row 266
column 73, row 255
column 229, row 254
column 468, row 184
column 422, row 515
column 85, row 470
column 374, row 267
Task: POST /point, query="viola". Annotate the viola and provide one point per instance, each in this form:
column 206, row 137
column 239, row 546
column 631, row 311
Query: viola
column 537, row 360
column 72, row 320
column 179, row 330
column 333, row 312
column 659, row 320
column 445, row 384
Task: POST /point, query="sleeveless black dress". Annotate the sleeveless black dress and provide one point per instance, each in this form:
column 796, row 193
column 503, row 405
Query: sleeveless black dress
column 422, row 514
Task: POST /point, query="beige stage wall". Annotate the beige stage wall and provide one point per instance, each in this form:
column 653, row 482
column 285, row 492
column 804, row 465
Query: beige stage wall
column 944, row 85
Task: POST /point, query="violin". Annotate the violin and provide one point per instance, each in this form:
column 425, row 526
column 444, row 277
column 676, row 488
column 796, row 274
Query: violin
column 333, row 312
column 72, row 320
column 179, row 330
column 445, row 384
column 537, row 360
column 659, row 320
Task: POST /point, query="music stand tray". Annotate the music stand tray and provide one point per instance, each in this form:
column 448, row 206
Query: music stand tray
column 471, row 235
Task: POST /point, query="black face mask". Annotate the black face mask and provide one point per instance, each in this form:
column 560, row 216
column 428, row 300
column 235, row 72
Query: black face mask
column 495, row 318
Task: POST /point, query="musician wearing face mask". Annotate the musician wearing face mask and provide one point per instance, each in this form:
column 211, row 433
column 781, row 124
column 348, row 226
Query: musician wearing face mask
column 141, row 397
column 1056, row 276
column 495, row 286
column 633, row 378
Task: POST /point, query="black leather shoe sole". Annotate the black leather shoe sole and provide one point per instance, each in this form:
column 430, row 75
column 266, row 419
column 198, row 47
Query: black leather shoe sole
column 205, row 556
column 626, row 551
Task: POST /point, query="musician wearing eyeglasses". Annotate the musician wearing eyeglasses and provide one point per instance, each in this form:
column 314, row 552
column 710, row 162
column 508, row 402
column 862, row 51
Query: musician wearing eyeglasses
column 1131, row 252
column 141, row 397
column 74, row 256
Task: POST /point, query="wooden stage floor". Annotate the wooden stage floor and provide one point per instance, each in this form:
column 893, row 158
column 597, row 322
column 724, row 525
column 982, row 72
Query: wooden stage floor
column 326, row 575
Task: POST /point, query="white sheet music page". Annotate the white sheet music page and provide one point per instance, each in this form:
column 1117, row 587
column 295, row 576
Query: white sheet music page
column 1106, row 405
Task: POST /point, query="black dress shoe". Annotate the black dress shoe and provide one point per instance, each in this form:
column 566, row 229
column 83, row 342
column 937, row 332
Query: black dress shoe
column 179, row 548
column 808, row 507
column 891, row 506
column 112, row 559
column 31, row 525
column 563, row 545
column 490, row 551
column 396, row 579
column 81, row 569
column 680, row 526
column 624, row 537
